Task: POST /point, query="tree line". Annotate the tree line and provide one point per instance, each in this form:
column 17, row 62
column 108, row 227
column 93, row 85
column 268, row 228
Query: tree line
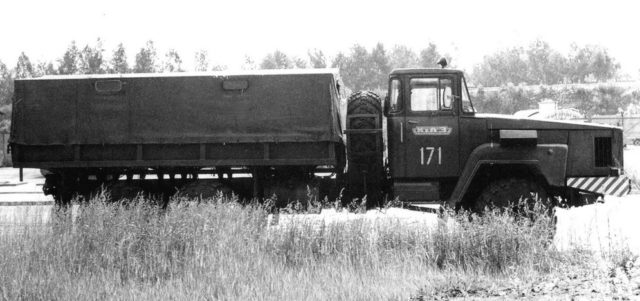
column 360, row 67
column 600, row 99
column 539, row 64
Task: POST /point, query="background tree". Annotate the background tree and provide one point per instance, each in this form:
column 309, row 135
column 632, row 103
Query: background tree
column 357, row 69
column 6, row 85
column 339, row 61
column 276, row 60
column 381, row 67
column 201, row 60
column 146, row 59
column 430, row 56
column 317, row 59
column 119, row 62
column 91, row 60
column 545, row 65
column 540, row 64
column 6, row 93
column 69, row 62
column 403, row 57
column 591, row 63
column 500, row 68
column 172, row 62
column 249, row 63
column 24, row 68
column 219, row 67
column 299, row 63
column 44, row 68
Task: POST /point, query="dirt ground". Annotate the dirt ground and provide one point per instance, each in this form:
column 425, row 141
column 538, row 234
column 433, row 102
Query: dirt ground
column 594, row 282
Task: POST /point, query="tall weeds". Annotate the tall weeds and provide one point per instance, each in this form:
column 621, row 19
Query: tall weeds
column 222, row 250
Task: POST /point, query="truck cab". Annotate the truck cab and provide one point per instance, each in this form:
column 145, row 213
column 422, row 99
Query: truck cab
column 441, row 150
column 423, row 111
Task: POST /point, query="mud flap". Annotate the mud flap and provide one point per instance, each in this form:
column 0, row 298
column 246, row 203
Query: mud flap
column 615, row 186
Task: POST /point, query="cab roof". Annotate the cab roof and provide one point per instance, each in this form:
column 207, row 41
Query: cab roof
column 425, row 71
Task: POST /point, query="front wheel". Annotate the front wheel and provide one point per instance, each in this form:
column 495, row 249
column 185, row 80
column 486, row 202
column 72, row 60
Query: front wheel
column 511, row 193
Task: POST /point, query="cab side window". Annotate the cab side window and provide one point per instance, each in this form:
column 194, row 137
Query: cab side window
column 467, row 106
column 394, row 96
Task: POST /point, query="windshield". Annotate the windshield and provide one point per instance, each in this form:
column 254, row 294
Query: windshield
column 467, row 106
column 431, row 94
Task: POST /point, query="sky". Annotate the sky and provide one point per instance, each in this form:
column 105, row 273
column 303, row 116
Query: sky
column 230, row 29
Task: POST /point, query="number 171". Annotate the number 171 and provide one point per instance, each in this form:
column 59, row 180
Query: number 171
column 430, row 150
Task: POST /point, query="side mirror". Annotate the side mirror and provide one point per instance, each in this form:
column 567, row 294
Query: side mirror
column 386, row 105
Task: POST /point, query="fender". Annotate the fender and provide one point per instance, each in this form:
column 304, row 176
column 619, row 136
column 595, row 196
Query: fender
column 549, row 159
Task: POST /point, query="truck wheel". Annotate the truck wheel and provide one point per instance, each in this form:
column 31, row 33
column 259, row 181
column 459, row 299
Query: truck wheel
column 365, row 102
column 364, row 147
column 64, row 190
column 511, row 193
column 364, row 113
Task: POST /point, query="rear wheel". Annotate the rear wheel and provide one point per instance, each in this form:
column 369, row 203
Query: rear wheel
column 365, row 173
column 61, row 186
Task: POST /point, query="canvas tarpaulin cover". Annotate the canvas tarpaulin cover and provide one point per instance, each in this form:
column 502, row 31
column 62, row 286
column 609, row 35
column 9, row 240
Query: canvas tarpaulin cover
column 261, row 106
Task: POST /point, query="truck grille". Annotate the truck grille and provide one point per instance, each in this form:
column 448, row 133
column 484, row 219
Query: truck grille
column 603, row 151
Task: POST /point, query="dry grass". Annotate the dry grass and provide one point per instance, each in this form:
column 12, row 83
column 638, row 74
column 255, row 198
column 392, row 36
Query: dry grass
column 224, row 251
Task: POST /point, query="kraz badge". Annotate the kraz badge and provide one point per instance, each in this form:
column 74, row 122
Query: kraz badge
column 432, row 130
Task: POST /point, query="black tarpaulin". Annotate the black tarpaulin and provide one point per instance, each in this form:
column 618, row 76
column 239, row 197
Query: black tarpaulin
column 264, row 106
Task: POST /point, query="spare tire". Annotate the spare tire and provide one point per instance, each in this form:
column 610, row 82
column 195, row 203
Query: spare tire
column 364, row 102
column 365, row 174
column 364, row 112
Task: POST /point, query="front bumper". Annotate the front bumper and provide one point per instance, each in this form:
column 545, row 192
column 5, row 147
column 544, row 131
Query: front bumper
column 612, row 185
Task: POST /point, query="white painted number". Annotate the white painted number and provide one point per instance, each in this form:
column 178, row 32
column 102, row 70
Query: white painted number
column 430, row 150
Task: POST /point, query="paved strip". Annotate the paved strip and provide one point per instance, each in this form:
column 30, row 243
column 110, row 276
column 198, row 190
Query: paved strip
column 12, row 184
column 27, row 203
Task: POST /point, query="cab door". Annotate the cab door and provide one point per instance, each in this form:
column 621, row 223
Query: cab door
column 430, row 138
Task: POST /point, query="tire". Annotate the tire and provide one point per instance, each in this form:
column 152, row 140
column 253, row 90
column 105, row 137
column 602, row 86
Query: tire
column 636, row 141
column 365, row 173
column 510, row 193
column 63, row 188
column 364, row 102
column 204, row 189
column 370, row 145
column 122, row 190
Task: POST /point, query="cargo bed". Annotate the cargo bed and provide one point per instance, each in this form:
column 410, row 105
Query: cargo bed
column 257, row 118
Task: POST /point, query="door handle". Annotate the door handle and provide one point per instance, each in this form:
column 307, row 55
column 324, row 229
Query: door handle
column 412, row 121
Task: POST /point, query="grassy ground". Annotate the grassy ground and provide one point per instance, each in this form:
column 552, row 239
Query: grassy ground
column 219, row 250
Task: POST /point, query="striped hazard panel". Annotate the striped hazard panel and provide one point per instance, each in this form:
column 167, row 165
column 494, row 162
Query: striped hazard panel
column 616, row 186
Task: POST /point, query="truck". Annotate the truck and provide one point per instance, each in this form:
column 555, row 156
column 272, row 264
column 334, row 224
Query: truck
column 260, row 132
